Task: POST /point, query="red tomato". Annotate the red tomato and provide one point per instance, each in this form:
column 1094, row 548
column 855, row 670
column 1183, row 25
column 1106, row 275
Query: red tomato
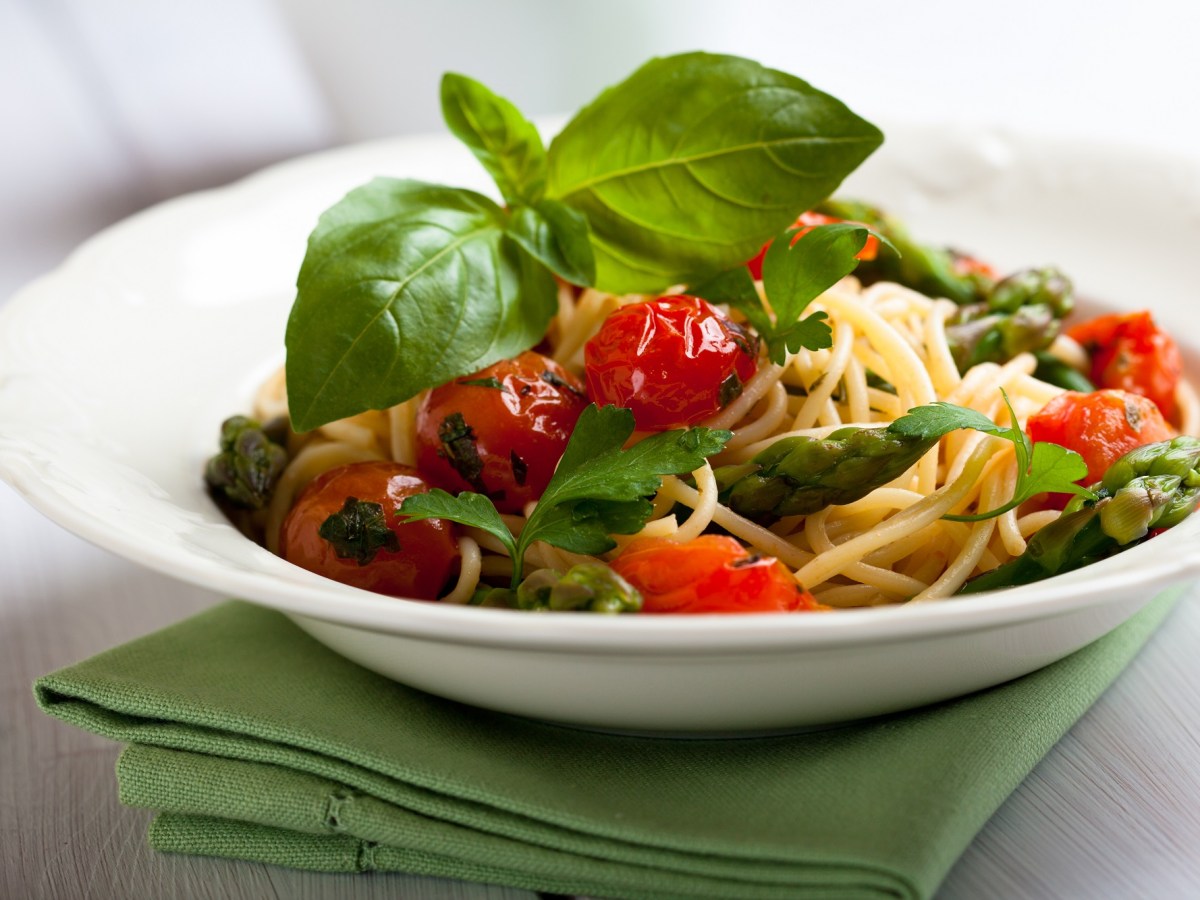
column 712, row 573
column 965, row 265
column 1101, row 426
column 425, row 553
column 500, row 432
column 805, row 223
column 1130, row 353
column 674, row 361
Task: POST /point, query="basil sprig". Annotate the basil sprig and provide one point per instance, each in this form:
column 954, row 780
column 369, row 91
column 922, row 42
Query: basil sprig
column 679, row 172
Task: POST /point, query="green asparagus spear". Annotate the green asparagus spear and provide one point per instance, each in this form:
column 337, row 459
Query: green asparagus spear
column 584, row 588
column 930, row 270
column 998, row 319
column 801, row 475
column 1155, row 486
column 251, row 459
column 1022, row 314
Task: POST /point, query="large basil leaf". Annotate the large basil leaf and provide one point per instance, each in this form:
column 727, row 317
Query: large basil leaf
column 556, row 235
column 406, row 285
column 692, row 163
column 507, row 143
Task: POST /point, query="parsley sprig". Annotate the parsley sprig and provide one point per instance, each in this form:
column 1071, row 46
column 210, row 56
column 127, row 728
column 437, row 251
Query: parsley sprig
column 794, row 273
column 599, row 488
column 1041, row 467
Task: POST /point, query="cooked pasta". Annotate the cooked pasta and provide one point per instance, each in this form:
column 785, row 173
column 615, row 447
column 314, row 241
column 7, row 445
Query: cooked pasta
column 889, row 354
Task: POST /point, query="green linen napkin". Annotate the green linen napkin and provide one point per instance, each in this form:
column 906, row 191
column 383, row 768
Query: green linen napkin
column 254, row 741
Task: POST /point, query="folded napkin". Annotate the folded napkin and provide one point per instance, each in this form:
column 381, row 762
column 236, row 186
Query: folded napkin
column 253, row 741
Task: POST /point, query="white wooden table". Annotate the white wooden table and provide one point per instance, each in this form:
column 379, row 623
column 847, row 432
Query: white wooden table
column 1112, row 811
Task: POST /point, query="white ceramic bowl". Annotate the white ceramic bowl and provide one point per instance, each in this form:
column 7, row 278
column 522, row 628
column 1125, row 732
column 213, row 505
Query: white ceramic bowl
column 116, row 370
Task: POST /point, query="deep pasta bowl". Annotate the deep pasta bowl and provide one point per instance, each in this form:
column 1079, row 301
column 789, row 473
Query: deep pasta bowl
column 116, row 370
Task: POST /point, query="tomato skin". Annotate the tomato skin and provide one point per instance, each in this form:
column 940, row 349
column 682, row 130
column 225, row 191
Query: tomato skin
column 673, row 361
column 1101, row 426
column 428, row 554
column 805, row 223
column 518, row 430
column 1129, row 352
column 710, row 574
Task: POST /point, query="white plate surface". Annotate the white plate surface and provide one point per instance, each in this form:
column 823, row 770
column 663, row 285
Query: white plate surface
column 117, row 369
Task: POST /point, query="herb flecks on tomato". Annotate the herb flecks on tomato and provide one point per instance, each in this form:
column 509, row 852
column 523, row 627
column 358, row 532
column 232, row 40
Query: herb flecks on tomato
column 1101, row 426
column 344, row 526
column 805, row 223
column 500, row 432
column 710, row 574
column 1129, row 352
column 673, row 361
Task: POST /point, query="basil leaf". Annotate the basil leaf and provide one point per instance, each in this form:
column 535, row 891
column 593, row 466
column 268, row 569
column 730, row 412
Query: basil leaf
column 692, row 163
column 406, row 285
column 501, row 138
column 556, row 235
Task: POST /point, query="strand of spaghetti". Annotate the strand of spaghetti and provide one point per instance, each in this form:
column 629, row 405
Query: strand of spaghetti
column 888, row 405
column 755, row 535
column 942, row 370
column 1037, row 391
column 897, row 550
column 858, row 407
column 702, row 513
column 843, row 345
column 1072, row 353
column 961, row 567
column 920, row 514
column 911, row 379
column 829, row 415
column 566, row 312
column 271, row 400
column 1189, row 408
column 666, row 526
column 846, row 596
column 1036, row 521
column 755, row 389
column 1010, row 531
column 468, row 572
column 310, row 462
column 885, row 580
column 884, row 497
column 591, row 309
column 352, row 431
column 402, row 419
column 776, row 409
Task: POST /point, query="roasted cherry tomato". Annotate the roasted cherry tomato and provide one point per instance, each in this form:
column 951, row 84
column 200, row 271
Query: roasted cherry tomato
column 673, row 361
column 1129, row 352
column 344, row 526
column 500, row 432
column 1101, row 426
column 805, row 223
column 966, row 266
column 711, row 574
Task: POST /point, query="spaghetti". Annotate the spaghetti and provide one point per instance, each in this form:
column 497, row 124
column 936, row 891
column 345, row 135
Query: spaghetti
column 889, row 353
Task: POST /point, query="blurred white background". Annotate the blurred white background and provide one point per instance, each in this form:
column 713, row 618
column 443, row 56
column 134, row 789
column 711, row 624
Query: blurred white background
column 109, row 105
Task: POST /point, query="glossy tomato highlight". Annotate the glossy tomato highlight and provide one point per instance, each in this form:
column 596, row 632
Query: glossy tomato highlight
column 673, row 361
column 501, row 431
